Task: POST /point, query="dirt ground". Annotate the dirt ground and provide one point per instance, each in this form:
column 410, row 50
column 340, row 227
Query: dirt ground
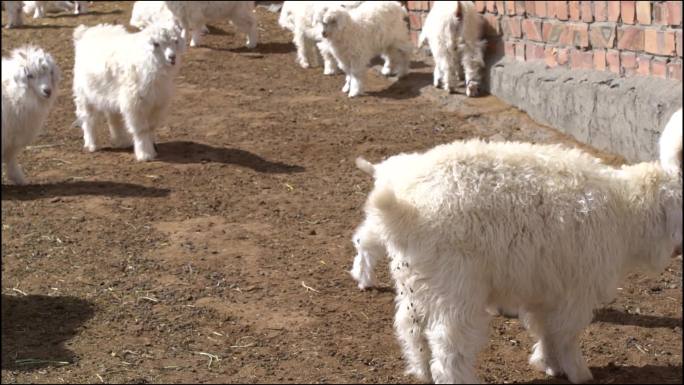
column 226, row 259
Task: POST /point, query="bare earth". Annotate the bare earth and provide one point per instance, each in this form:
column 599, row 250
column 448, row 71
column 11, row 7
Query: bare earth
column 225, row 260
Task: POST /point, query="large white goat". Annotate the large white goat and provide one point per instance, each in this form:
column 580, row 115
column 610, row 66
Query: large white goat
column 145, row 13
column 471, row 226
column 298, row 17
column 193, row 15
column 30, row 78
column 40, row 8
column 14, row 15
column 357, row 35
column 453, row 30
column 128, row 77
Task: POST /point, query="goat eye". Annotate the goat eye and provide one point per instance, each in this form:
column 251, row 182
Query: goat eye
column 155, row 44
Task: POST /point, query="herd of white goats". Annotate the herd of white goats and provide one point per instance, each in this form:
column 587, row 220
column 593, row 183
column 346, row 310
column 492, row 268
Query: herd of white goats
column 469, row 227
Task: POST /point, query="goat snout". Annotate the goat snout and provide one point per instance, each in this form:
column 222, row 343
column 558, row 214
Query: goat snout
column 46, row 91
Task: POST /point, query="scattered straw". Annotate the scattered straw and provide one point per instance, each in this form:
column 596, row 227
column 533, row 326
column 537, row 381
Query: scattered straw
column 309, row 288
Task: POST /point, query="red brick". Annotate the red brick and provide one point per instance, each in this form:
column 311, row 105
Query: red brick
column 659, row 67
column 631, row 38
column 511, row 26
column 627, row 11
column 414, row 36
column 563, row 56
column 613, row 60
column 674, row 12
column 532, row 29
column 644, row 65
column 481, row 6
column 550, row 57
column 576, row 34
column 600, row 59
column 561, row 10
column 491, row 6
column 602, row 35
column 628, row 61
column 613, row 10
column 600, row 11
column 530, row 6
column 520, row 8
column 660, row 13
column 509, row 49
column 574, row 10
column 581, row 59
column 540, row 9
column 587, row 14
column 659, row 42
column 678, row 42
column 415, row 21
column 510, row 7
column 674, row 70
column 520, row 51
column 500, row 7
column 534, row 51
column 643, row 12
column 492, row 25
column 551, row 31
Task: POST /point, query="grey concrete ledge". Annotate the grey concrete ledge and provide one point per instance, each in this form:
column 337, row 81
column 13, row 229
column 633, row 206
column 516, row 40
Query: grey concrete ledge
column 619, row 115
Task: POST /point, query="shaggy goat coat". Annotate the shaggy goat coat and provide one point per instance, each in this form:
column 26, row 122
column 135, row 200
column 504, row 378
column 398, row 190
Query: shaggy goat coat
column 357, row 35
column 129, row 78
column 30, row 78
column 193, row 15
column 540, row 228
column 40, row 8
column 453, row 30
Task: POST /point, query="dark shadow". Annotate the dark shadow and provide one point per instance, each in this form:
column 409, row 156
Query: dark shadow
column 264, row 48
column 65, row 189
column 191, row 152
column 416, row 65
column 39, row 26
column 407, row 87
column 612, row 374
column 89, row 13
column 36, row 327
column 646, row 321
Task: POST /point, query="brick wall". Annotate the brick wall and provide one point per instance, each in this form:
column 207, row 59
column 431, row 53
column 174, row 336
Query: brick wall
column 629, row 38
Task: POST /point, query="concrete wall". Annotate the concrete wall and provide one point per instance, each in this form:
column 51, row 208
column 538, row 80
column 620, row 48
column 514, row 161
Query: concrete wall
column 607, row 72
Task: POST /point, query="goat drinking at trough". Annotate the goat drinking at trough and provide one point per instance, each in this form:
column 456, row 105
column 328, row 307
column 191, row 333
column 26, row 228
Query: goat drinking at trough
column 129, row 78
column 471, row 226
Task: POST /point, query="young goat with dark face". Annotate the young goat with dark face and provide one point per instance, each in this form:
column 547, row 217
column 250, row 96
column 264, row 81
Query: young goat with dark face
column 127, row 77
column 30, row 78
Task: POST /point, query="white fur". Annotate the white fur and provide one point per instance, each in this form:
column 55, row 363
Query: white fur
column 192, row 15
column 30, row 78
column 297, row 17
column 40, row 8
column 127, row 77
column 671, row 143
column 14, row 15
column 145, row 13
column 474, row 226
column 357, row 35
column 453, row 30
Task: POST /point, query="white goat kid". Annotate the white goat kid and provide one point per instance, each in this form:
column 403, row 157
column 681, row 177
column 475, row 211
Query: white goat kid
column 14, row 16
column 145, row 13
column 192, row 15
column 298, row 17
column 30, row 78
column 357, row 35
column 39, row 8
column 453, row 30
column 129, row 78
column 472, row 226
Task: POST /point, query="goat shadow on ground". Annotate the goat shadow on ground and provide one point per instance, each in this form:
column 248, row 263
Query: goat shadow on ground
column 408, row 87
column 647, row 321
column 263, row 48
column 191, row 152
column 65, row 189
column 648, row 374
column 41, row 26
column 36, row 327
column 89, row 13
